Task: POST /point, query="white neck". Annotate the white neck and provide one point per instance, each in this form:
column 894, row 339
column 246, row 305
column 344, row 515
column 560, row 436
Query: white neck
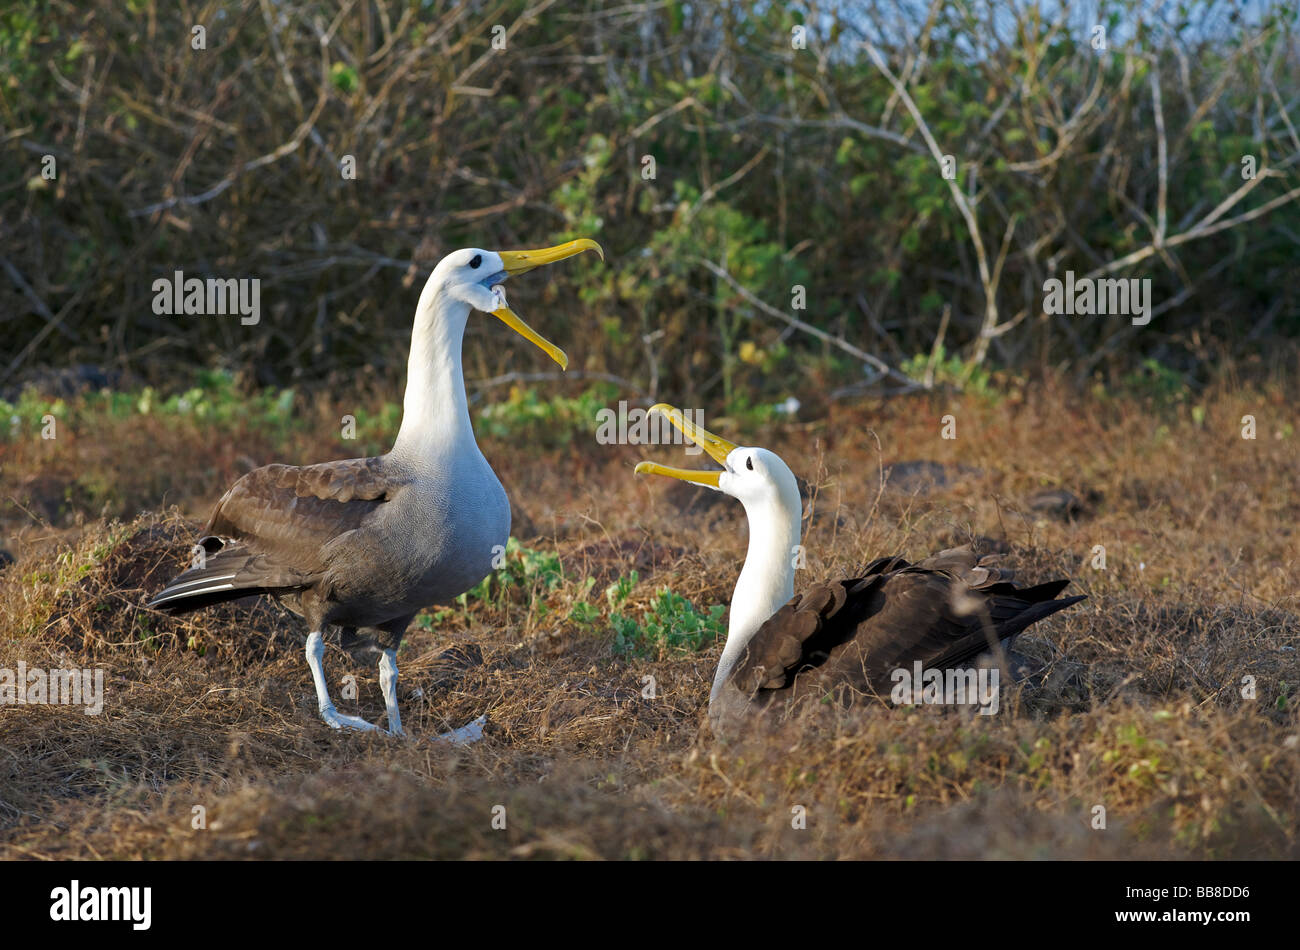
column 766, row 581
column 435, row 412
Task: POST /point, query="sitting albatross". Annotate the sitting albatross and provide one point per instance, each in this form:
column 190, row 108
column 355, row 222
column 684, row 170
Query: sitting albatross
column 844, row 635
column 367, row 543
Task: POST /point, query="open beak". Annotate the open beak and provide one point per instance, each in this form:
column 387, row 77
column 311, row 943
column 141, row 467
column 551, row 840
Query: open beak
column 717, row 448
column 520, row 262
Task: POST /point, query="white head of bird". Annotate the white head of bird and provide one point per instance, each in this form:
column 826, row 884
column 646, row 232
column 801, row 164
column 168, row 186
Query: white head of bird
column 764, row 484
column 435, row 411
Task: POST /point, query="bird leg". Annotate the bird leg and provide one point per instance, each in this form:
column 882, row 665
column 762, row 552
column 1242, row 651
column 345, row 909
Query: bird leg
column 388, row 683
column 333, row 718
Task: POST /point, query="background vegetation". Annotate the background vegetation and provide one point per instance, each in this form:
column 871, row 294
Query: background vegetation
column 773, row 167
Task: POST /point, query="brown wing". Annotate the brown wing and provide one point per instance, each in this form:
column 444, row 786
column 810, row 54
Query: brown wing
column 905, row 616
column 289, row 513
column 273, row 530
column 941, row 611
column 786, row 641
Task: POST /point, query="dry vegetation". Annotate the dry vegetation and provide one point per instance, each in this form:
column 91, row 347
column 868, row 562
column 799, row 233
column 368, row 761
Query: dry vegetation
column 1143, row 714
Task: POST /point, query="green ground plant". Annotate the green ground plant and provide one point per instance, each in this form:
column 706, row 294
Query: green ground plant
column 672, row 624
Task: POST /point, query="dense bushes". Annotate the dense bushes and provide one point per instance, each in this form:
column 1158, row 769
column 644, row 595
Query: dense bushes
column 722, row 168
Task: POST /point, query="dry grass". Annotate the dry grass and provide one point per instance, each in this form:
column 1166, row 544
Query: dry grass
column 1144, row 714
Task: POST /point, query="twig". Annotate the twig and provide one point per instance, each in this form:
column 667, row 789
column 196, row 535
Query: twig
column 963, row 206
column 716, row 187
column 1202, row 229
column 1162, row 153
column 287, row 148
column 874, row 361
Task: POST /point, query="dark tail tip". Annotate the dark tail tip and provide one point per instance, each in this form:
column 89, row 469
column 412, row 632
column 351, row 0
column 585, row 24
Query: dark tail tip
column 200, row 587
column 1041, row 592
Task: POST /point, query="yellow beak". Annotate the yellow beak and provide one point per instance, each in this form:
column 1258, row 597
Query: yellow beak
column 520, row 262
column 717, row 448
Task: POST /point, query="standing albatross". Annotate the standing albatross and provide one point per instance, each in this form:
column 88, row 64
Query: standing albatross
column 367, row 543
column 847, row 635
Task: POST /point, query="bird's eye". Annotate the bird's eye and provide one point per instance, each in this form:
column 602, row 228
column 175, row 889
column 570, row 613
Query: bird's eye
column 477, row 260
column 749, row 463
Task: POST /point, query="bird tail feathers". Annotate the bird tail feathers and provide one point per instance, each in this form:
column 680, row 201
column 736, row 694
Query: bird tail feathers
column 1040, row 607
column 228, row 572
